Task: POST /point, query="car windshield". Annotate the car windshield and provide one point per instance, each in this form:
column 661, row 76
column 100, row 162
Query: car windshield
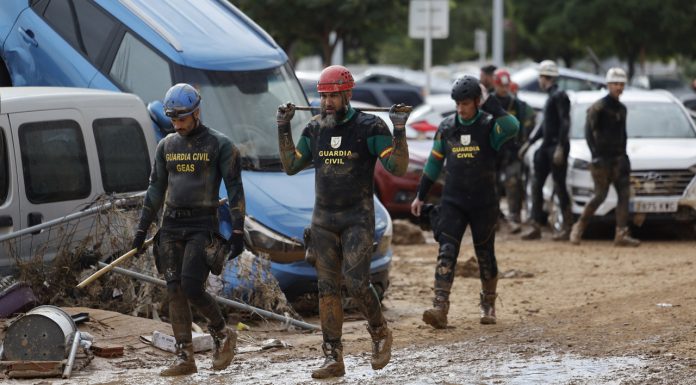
column 243, row 104
column 644, row 120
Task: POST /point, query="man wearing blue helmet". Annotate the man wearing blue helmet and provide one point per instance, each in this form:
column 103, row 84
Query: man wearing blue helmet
column 189, row 166
column 467, row 144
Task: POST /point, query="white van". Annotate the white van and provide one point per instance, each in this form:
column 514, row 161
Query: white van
column 61, row 149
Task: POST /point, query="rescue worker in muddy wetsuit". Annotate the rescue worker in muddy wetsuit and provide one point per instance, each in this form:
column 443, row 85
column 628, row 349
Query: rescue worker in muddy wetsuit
column 189, row 166
column 467, row 143
column 605, row 132
column 511, row 166
column 343, row 145
column 552, row 155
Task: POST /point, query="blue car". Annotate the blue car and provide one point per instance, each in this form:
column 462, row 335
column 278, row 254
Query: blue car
column 144, row 47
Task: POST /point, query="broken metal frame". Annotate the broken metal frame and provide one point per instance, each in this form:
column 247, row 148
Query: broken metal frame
column 222, row 300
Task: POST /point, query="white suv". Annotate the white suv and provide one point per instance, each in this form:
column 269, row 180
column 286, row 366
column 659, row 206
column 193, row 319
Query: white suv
column 661, row 147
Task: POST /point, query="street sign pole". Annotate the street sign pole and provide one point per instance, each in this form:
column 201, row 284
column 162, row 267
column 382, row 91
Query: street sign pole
column 427, row 49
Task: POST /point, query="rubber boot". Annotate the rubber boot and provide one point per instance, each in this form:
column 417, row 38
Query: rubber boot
column 437, row 316
column 225, row 343
column 533, row 232
column 577, row 231
column 564, row 234
column 623, row 238
column 381, row 346
column 185, row 362
column 333, row 363
column 487, row 301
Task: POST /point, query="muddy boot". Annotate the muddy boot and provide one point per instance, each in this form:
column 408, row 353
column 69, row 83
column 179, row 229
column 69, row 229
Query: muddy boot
column 333, row 363
column 533, row 232
column 562, row 235
column 487, row 301
column 225, row 342
column 184, row 364
column 437, row 316
column 623, row 238
column 515, row 226
column 577, row 231
column 381, row 346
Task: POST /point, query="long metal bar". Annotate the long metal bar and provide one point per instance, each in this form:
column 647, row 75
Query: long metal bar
column 224, row 301
column 367, row 109
column 71, row 357
column 70, row 217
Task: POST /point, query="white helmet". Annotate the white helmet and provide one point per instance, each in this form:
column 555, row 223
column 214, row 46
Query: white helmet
column 616, row 75
column 548, row 68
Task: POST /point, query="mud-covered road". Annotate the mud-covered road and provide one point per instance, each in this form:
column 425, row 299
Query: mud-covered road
column 589, row 314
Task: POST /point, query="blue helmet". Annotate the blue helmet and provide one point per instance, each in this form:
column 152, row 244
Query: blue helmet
column 181, row 100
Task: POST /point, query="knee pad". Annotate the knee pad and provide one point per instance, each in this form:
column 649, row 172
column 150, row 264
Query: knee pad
column 448, row 251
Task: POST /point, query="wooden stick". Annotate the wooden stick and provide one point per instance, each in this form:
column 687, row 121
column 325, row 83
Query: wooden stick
column 113, row 264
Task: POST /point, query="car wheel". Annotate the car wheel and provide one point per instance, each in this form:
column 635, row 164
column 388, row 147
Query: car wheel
column 5, row 80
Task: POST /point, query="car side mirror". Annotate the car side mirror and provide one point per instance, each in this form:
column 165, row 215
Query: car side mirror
column 156, row 111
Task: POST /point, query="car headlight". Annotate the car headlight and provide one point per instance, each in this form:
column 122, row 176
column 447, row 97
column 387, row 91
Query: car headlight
column 581, row 164
column 691, row 188
column 268, row 243
column 385, row 242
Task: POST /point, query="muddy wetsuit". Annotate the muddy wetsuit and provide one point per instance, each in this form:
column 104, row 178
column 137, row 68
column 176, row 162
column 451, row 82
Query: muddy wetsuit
column 605, row 131
column 186, row 178
column 343, row 222
column 554, row 130
column 511, row 167
column 470, row 149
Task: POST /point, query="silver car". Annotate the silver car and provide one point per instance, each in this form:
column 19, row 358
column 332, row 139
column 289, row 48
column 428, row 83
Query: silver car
column 662, row 149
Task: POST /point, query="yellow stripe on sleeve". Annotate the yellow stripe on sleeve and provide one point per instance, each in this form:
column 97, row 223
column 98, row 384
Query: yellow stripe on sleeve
column 386, row 151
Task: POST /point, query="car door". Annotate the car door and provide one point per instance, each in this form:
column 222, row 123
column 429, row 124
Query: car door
column 9, row 203
column 56, row 179
column 40, row 48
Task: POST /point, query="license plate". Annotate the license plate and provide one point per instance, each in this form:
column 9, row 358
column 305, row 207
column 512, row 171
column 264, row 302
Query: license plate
column 653, row 207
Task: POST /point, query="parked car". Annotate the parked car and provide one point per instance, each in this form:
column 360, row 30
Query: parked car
column 662, row 150
column 144, row 47
column 62, row 149
column 425, row 119
column 387, row 94
column 400, row 75
column 568, row 79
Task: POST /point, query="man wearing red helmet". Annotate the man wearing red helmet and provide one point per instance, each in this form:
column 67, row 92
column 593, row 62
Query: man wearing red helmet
column 511, row 167
column 343, row 145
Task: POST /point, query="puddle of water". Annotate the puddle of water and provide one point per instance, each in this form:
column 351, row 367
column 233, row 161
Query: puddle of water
column 460, row 363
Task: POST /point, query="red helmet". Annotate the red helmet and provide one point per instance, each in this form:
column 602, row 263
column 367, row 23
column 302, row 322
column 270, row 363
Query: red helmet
column 502, row 77
column 335, row 79
column 514, row 87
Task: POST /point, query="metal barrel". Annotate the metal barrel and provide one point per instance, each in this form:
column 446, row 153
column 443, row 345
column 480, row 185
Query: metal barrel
column 44, row 333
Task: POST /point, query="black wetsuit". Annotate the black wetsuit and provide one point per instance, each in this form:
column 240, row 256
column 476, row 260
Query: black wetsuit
column 343, row 221
column 186, row 179
column 470, row 149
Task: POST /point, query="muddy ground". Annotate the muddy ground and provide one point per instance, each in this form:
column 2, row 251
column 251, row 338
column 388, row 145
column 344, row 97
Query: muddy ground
column 590, row 314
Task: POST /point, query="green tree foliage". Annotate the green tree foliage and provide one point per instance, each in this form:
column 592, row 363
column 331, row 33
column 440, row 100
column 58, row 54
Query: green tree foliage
column 293, row 23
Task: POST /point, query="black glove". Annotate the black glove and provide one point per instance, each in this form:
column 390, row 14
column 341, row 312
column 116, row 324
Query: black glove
column 236, row 245
column 493, row 107
column 285, row 113
column 139, row 240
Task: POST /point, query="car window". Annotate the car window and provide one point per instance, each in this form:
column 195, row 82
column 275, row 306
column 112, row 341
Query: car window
column 54, row 161
column 4, row 172
column 123, row 155
column 140, row 70
column 60, row 16
column 572, row 84
column 365, row 96
column 95, row 27
column 410, row 98
column 644, row 120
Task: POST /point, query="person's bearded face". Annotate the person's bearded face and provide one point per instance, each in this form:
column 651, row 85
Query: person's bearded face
column 334, row 106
